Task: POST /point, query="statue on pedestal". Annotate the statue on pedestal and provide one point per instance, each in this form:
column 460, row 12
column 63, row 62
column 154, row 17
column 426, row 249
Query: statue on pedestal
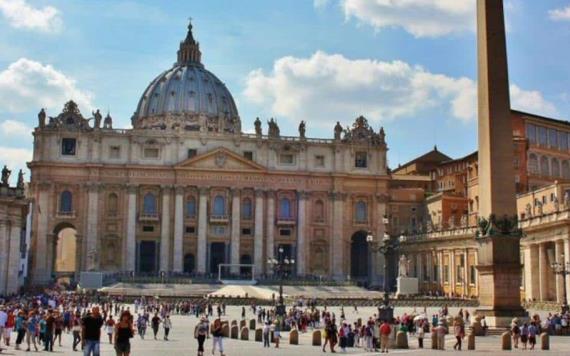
column 5, row 176
column 21, row 184
column 257, row 125
column 97, row 117
column 42, row 118
column 337, row 130
column 302, row 129
column 403, row 265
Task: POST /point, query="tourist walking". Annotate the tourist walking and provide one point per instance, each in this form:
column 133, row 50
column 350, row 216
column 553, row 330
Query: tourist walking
column 459, row 331
column 277, row 333
column 440, row 332
column 200, row 334
column 420, row 334
column 91, row 332
column 155, row 323
column 76, row 330
column 385, row 331
column 532, row 332
column 266, row 332
column 20, row 329
column 141, row 325
column 167, row 324
column 32, row 328
column 524, row 335
column 48, row 335
column 123, row 334
column 110, row 326
column 515, row 333
column 217, row 335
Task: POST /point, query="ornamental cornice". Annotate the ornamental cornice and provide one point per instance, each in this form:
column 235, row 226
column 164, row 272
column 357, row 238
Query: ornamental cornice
column 382, row 198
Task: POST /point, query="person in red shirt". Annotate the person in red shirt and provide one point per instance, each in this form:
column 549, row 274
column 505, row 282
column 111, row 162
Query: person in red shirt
column 10, row 323
column 385, row 331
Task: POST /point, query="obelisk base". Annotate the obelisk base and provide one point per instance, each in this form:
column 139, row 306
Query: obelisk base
column 500, row 280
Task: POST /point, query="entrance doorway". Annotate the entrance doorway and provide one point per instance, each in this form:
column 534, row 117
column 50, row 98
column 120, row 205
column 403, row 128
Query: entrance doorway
column 217, row 255
column 359, row 257
column 148, row 257
column 65, row 250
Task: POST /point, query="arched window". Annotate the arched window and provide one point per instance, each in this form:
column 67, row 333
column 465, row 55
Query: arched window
column 191, row 207
column 219, row 205
column 555, row 165
column 532, row 164
column 285, row 208
column 246, row 209
column 319, row 210
column 149, row 204
column 188, row 263
column 565, row 170
column 66, row 202
column 544, row 168
column 112, row 203
column 361, row 212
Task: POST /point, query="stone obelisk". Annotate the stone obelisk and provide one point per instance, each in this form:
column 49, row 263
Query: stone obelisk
column 499, row 238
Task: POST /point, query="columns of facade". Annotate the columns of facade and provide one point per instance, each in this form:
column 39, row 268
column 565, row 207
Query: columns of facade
column 337, row 245
column 4, row 255
column 419, row 271
column 301, row 232
column 440, row 266
column 559, row 258
column 270, row 227
column 41, row 273
column 258, row 235
column 13, row 262
column 165, row 230
column 532, row 276
column 567, row 263
column 466, row 274
column 452, row 277
column 178, row 250
column 202, row 228
column 91, row 250
column 542, row 270
column 235, row 231
column 131, row 242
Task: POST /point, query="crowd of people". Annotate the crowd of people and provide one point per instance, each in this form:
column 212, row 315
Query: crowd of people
column 38, row 322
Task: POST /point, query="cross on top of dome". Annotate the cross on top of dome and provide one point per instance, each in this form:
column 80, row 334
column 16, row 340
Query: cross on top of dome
column 189, row 52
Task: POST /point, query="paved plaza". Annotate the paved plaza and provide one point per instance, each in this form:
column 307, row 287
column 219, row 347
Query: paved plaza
column 182, row 341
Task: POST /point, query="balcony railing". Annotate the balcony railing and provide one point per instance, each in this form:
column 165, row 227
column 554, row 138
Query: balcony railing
column 285, row 220
column 219, row 218
column 66, row 214
column 148, row 217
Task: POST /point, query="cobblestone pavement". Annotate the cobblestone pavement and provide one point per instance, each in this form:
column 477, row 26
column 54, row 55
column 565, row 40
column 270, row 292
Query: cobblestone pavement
column 182, row 341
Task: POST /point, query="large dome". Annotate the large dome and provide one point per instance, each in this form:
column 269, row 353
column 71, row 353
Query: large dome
column 187, row 97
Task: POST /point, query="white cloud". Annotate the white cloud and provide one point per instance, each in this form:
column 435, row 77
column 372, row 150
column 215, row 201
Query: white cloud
column 560, row 14
column 421, row 18
column 15, row 129
column 29, row 85
column 326, row 88
column 20, row 14
column 320, row 3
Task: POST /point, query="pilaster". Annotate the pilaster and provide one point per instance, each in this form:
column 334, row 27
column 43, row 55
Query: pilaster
column 178, row 250
column 258, row 236
column 131, row 243
column 302, row 227
column 235, row 231
column 165, row 229
column 202, row 229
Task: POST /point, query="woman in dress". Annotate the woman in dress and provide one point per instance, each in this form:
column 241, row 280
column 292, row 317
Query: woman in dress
column 123, row 334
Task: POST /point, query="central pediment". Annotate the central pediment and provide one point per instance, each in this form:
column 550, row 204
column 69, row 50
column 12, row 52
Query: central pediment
column 220, row 158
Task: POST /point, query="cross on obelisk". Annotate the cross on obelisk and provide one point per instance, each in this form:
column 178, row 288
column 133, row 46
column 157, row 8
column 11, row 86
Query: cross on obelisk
column 499, row 238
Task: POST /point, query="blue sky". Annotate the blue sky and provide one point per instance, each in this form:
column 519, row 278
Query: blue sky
column 407, row 65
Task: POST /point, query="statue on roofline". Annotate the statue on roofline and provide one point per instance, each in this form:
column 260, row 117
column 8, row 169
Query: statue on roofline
column 5, row 176
column 302, row 129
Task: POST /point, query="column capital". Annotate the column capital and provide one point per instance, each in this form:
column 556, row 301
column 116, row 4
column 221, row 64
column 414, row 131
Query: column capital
column 44, row 185
column 132, row 188
column 259, row 193
column 303, row 195
column 235, row 192
column 270, row 193
column 179, row 189
column 382, row 198
column 203, row 190
column 94, row 187
column 337, row 196
column 166, row 187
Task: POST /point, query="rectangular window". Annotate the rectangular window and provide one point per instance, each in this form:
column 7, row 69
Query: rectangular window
column 563, row 140
column 192, row 152
column 246, row 231
column 248, row 155
column 542, row 136
column 148, row 228
column 435, row 273
column 286, row 158
column 285, row 232
column 115, row 152
column 319, row 161
column 553, row 138
column 472, row 275
column 218, row 230
column 190, row 230
column 68, row 146
column 531, row 133
column 150, row 153
column 446, row 273
column 360, row 160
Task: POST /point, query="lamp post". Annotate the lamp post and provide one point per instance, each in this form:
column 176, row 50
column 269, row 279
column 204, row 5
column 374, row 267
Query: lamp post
column 385, row 312
column 562, row 269
column 279, row 265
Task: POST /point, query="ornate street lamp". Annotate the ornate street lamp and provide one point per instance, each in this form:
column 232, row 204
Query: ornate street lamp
column 279, row 266
column 386, row 248
column 562, row 269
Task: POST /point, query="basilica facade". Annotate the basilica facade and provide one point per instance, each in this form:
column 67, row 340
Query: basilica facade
column 185, row 189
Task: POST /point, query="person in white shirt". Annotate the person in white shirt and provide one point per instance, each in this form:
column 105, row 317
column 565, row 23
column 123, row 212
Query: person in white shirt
column 3, row 320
